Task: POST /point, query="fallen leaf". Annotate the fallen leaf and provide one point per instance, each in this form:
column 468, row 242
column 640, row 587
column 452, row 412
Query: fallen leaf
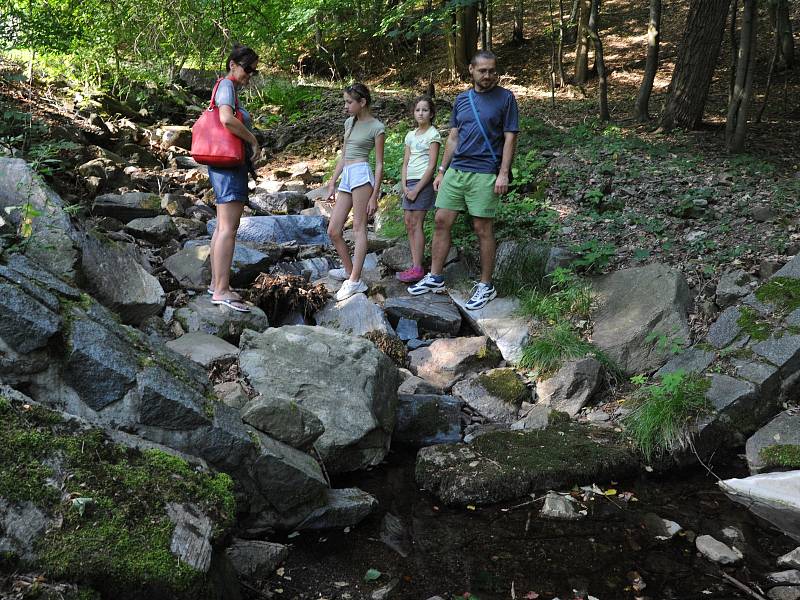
column 531, row 596
column 470, row 507
column 372, row 575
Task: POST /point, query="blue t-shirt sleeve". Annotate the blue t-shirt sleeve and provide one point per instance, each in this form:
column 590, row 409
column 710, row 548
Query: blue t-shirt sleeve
column 225, row 94
column 511, row 118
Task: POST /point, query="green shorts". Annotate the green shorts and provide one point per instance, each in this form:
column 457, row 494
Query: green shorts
column 470, row 192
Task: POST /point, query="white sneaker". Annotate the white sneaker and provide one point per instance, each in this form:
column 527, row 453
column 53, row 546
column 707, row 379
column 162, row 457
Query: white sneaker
column 482, row 294
column 350, row 288
column 339, row 274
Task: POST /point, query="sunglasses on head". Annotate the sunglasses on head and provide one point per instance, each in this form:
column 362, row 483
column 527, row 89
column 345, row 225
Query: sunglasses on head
column 248, row 69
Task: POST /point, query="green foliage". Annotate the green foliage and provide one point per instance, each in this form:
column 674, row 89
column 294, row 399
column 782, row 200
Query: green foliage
column 666, row 341
column 752, row 324
column 593, row 256
column 783, row 292
column 568, row 296
column 663, row 412
column 276, row 91
column 555, row 345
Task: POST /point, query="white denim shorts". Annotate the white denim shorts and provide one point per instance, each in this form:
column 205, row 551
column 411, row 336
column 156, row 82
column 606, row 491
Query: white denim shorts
column 356, row 175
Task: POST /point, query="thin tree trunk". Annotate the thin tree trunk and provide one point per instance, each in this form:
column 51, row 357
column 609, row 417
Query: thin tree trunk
column 783, row 24
column 482, row 24
column 552, row 56
column 519, row 14
column 466, row 37
column 489, row 24
column 776, row 52
column 602, row 80
column 694, row 67
column 734, row 37
column 451, row 26
column 582, row 44
column 736, row 124
column 560, row 55
column 651, row 66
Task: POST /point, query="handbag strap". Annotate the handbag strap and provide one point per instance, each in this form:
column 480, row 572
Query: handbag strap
column 470, row 95
column 213, row 104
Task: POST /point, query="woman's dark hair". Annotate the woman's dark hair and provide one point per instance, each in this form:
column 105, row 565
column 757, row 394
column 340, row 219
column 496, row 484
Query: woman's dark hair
column 241, row 55
column 427, row 99
column 359, row 91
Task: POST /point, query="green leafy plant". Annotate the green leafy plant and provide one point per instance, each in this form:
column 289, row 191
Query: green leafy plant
column 593, row 256
column 666, row 341
column 664, row 411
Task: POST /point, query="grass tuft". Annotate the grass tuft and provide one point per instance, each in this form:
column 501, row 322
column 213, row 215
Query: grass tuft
column 547, row 352
column 659, row 423
column 569, row 296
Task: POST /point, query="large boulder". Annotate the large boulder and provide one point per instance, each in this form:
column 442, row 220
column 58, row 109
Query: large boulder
column 203, row 316
column 356, row 315
column 447, row 360
column 280, row 229
column 283, row 419
column 632, row 305
column 277, row 203
column 497, row 394
column 52, row 239
column 344, row 380
column 128, row 206
column 115, row 276
column 500, row 321
column 158, row 229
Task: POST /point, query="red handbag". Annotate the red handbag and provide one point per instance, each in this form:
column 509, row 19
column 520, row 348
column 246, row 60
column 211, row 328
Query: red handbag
column 212, row 143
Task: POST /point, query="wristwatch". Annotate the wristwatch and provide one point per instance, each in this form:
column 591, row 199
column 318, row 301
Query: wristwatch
column 442, row 169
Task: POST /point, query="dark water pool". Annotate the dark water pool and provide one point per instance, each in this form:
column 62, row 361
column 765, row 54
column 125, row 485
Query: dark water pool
column 488, row 552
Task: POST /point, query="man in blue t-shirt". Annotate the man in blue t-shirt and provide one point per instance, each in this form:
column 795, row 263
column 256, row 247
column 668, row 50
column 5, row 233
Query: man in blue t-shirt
column 474, row 173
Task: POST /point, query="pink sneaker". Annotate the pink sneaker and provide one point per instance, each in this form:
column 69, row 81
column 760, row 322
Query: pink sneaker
column 411, row 275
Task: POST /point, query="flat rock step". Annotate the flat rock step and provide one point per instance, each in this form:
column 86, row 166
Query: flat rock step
column 433, row 312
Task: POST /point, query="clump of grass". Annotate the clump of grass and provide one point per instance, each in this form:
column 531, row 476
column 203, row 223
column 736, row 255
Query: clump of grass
column 548, row 351
column 569, row 296
column 786, row 456
column 660, row 420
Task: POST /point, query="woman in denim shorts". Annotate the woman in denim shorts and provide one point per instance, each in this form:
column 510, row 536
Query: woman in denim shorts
column 359, row 189
column 230, row 185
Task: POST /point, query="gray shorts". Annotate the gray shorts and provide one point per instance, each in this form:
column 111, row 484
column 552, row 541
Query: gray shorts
column 425, row 199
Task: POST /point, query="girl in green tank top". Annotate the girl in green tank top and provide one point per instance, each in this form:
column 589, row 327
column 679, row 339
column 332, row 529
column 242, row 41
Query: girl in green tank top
column 358, row 190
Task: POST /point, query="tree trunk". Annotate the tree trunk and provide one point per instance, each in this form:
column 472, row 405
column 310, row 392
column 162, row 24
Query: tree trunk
column 466, row 37
column 651, row 66
column 779, row 14
column 484, row 23
column 451, row 26
column 734, row 38
column 560, row 54
column 736, row 125
column 582, row 44
column 489, row 24
column 519, row 14
column 694, row 67
column 602, row 80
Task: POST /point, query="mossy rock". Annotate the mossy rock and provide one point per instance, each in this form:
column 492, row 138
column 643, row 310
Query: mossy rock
column 505, row 465
column 783, row 292
column 781, row 456
column 506, row 385
column 117, row 540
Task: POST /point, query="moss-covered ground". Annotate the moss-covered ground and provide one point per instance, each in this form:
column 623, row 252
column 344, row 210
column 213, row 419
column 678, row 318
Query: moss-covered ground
column 114, row 533
column 506, row 385
column 785, row 456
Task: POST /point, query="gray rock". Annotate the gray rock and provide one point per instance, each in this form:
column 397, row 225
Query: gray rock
column 395, row 534
column 790, row 559
column 191, row 267
column 232, row 393
column 725, row 329
column 407, row 329
column 348, row 383
column 716, row 551
column 427, row 419
column 22, row 525
column 783, row 352
column 691, row 360
column 784, row 592
column 375, row 241
column 227, row 444
column 511, row 253
column 496, row 394
column 100, row 367
column 733, row 286
column 154, row 229
column 31, row 275
column 632, row 304
column 415, row 344
column 287, row 477
column 169, row 403
column 281, row 229
column 203, row 348
column 728, row 394
column 26, row 324
column 175, row 205
column 277, row 203
column 433, row 312
column 788, row 577
column 415, row 385
column 499, row 321
column 52, row 242
column 475, row 430
column 764, row 375
column 397, row 258
column 572, row 387
column 559, row 507
column 343, row 508
column 790, row 269
column 313, row 268
column 189, row 228
column 201, row 315
column 283, row 419
column 661, row 529
column 179, row 136
column 446, row 360
column 784, row 429
column 127, row 206
column 537, row 417
column 255, row 558
column 191, row 538
column 116, row 278
column 357, row 315
column 559, row 258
